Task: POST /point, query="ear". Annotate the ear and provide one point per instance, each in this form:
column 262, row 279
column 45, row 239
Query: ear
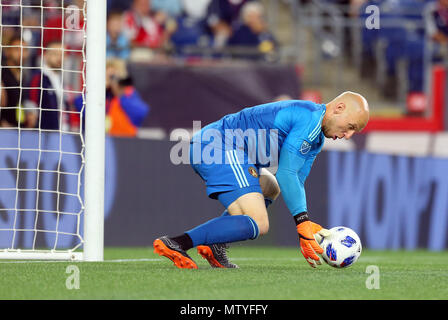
column 339, row 108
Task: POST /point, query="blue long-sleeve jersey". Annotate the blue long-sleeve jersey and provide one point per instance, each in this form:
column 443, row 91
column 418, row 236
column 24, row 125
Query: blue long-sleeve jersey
column 299, row 138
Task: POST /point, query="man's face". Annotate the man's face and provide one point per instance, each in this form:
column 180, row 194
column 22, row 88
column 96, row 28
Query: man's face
column 53, row 56
column 114, row 25
column 342, row 123
column 254, row 20
column 15, row 53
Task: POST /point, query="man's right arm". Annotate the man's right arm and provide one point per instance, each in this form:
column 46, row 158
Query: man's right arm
column 293, row 190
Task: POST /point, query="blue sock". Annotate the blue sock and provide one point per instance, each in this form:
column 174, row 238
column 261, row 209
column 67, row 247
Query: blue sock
column 192, row 232
column 267, row 202
column 224, row 229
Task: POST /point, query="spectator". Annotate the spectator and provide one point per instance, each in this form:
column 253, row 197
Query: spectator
column 10, row 12
column 146, row 28
column 31, row 33
column 117, row 43
column 12, row 80
column 196, row 9
column 252, row 31
column 191, row 28
column 221, row 15
column 369, row 40
column 47, row 94
column 172, row 8
column 68, row 29
column 125, row 110
column 436, row 20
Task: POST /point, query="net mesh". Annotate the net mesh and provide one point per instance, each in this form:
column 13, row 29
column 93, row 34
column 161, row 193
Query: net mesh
column 41, row 124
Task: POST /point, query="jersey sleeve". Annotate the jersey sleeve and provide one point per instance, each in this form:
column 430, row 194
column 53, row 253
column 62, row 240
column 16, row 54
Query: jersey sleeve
column 306, row 168
column 291, row 186
column 296, row 158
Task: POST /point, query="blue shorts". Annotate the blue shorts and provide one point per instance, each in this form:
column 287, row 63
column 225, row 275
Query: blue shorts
column 228, row 180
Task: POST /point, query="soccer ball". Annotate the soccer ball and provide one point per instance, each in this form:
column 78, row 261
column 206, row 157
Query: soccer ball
column 342, row 248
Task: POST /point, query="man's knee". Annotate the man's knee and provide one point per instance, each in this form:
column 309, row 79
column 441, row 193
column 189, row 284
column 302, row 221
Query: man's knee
column 252, row 205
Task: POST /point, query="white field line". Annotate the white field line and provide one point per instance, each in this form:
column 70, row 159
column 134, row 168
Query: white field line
column 140, row 260
column 68, row 261
column 367, row 259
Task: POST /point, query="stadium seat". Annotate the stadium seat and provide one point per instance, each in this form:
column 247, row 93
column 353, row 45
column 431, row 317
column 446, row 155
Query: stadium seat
column 188, row 33
column 402, row 37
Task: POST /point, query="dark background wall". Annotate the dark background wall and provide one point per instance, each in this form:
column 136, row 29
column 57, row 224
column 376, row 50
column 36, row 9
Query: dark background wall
column 179, row 94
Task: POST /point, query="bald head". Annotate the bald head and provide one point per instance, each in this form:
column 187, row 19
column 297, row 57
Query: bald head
column 346, row 114
column 356, row 104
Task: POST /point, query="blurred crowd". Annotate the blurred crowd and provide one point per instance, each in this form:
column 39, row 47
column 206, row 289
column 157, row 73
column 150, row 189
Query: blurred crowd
column 40, row 39
column 43, row 53
column 150, row 29
column 403, row 51
column 412, row 35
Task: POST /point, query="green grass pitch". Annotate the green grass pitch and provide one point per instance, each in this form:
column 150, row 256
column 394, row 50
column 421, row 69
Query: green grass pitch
column 265, row 273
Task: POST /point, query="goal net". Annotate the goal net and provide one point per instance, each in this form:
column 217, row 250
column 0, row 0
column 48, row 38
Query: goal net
column 45, row 163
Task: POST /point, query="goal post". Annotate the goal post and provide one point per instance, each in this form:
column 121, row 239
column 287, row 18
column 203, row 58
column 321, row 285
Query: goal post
column 95, row 131
column 52, row 129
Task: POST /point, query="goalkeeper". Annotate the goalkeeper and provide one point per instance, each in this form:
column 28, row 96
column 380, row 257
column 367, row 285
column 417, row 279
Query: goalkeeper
column 245, row 188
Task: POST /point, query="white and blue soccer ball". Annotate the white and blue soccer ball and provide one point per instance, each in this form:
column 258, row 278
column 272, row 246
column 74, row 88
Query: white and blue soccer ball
column 341, row 248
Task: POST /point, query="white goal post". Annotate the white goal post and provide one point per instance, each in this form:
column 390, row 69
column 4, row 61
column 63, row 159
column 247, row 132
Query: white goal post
column 52, row 154
column 95, row 130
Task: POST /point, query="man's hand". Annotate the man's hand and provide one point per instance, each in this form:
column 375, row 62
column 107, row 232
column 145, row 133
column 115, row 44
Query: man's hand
column 319, row 232
column 308, row 245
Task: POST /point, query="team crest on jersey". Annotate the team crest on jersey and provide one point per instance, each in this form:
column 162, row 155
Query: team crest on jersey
column 305, row 147
column 253, row 172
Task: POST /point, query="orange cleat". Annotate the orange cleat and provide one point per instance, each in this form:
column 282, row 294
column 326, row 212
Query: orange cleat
column 166, row 247
column 216, row 255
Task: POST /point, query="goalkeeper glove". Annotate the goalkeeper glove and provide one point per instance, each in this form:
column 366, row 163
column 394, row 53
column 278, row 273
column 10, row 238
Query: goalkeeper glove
column 308, row 245
column 319, row 232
